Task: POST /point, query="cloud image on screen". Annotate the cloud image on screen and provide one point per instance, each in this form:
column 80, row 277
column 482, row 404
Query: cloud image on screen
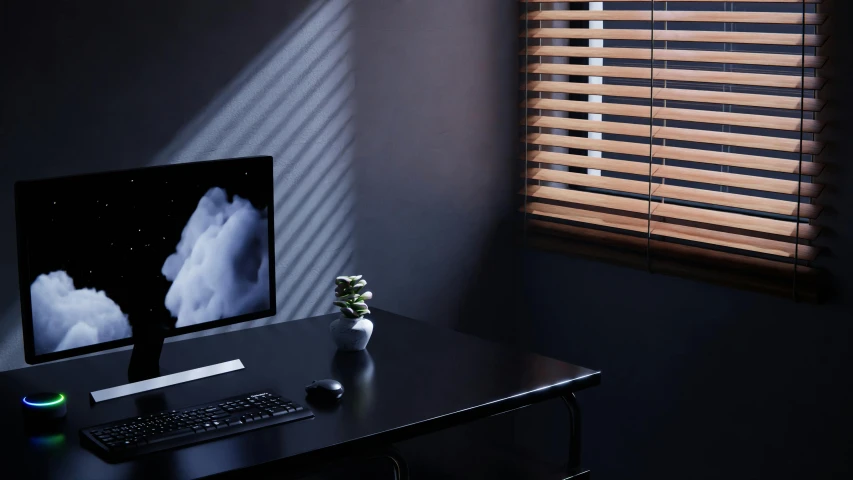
column 66, row 317
column 220, row 268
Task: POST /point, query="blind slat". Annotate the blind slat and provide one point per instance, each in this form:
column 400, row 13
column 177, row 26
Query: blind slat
column 755, row 38
column 749, row 182
column 711, row 197
column 792, row 145
column 737, row 221
column 680, row 75
column 680, row 114
column 675, row 153
column 740, row 58
column 723, row 239
column 680, row 1
column 678, row 16
column 682, row 95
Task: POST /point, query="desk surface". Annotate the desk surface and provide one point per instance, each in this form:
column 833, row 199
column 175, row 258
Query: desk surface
column 413, row 378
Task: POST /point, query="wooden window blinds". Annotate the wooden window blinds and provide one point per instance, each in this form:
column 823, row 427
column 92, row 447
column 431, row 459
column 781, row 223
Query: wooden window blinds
column 681, row 130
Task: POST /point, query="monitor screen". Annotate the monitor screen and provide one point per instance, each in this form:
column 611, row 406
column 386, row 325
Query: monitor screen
column 177, row 248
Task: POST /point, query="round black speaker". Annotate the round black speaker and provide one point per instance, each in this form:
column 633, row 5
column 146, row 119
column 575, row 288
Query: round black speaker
column 43, row 408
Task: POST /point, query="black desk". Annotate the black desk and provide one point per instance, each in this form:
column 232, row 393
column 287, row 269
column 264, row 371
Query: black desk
column 413, row 379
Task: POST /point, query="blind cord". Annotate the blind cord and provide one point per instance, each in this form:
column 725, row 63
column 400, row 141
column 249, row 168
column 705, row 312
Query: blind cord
column 526, row 116
column 651, row 141
column 800, row 167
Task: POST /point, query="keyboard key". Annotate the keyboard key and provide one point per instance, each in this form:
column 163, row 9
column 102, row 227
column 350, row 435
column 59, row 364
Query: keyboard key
column 219, row 415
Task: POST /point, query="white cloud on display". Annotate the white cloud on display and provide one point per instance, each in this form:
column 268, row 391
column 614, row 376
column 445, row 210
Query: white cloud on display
column 221, row 265
column 66, row 317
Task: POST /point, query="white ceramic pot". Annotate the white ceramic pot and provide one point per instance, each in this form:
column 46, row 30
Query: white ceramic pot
column 351, row 334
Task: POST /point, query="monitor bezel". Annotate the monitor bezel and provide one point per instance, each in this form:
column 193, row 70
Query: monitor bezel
column 23, row 258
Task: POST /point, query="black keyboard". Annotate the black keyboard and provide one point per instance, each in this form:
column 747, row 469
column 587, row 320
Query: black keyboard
column 131, row 437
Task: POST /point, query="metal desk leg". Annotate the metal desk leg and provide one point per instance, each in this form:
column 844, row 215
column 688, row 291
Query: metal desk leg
column 574, row 465
column 401, row 469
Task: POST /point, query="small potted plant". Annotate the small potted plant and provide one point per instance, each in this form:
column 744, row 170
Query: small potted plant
column 351, row 331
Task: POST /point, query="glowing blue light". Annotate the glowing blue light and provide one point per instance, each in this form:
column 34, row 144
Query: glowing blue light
column 46, row 404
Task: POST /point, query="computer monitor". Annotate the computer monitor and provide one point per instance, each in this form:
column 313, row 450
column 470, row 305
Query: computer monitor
column 112, row 259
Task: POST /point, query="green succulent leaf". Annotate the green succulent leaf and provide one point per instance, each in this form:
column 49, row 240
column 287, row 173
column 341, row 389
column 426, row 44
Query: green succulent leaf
column 348, row 296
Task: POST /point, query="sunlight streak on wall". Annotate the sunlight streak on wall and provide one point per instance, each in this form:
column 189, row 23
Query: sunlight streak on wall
column 294, row 102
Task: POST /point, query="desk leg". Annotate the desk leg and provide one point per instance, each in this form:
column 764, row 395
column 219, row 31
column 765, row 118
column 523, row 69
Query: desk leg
column 401, row 468
column 574, row 465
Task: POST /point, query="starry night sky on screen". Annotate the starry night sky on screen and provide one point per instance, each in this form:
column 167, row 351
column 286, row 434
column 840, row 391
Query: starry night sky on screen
column 113, row 232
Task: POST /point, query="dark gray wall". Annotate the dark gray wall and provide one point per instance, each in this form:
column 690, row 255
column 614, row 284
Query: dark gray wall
column 90, row 86
column 702, row 381
column 436, row 124
column 391, row 122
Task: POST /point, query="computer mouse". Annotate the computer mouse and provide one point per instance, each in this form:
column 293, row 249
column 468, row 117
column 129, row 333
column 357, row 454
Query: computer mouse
column 325, row 390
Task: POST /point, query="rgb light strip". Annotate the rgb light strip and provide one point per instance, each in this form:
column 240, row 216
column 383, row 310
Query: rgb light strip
column 46, row 404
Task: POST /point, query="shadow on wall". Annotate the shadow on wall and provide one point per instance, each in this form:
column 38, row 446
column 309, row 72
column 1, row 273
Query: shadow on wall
column 288, row 94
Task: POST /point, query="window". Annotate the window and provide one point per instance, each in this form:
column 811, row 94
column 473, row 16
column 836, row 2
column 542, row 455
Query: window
column 680, row 136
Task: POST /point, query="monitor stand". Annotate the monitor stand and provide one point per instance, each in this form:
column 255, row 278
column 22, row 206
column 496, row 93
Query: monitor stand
column 145, row 358
column 143, row 373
